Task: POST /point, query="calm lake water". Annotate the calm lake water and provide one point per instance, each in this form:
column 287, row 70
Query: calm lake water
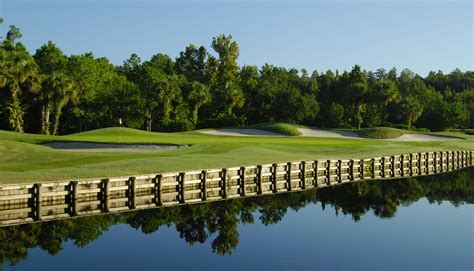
column 409, row 224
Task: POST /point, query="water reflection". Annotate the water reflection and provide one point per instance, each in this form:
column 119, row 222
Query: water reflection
column 218, row 221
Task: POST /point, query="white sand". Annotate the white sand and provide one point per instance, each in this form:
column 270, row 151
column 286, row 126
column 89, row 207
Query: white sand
column 322, row 133
column 101, row 147
column 240, row 132
column 327, row 133
column 422, row 137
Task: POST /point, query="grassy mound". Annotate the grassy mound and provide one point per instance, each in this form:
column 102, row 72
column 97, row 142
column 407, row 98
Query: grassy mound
column 381, row 133
column 277, row 127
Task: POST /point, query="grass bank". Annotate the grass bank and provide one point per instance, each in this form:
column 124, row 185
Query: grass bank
column 23, row 160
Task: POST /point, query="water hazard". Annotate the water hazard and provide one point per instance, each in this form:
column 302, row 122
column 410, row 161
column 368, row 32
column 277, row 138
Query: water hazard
column 403, row 224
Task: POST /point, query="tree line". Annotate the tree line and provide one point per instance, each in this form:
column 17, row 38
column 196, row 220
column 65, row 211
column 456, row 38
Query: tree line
column 52, row 93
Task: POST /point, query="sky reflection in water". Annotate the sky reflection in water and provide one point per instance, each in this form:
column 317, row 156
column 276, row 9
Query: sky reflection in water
column 411, row 224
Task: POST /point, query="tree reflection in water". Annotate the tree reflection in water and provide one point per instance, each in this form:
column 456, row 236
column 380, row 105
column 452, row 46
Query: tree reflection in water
column 198, row 223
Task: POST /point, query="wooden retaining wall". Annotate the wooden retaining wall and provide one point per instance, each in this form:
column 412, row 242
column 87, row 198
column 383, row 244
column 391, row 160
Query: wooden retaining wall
column 26, row 203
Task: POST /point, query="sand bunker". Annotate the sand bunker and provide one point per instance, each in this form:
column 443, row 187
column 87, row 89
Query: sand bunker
column 95, row 147
column 309, row 132
column 240, row 132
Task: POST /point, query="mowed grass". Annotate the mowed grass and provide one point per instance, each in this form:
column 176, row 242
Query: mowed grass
column 277, row 127
column 23, row 160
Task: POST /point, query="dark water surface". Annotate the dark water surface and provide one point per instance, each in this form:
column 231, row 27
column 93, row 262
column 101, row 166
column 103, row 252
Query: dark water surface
column 409, row 224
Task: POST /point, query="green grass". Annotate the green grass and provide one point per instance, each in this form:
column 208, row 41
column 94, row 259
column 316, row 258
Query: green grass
column 23, row 160
column 381, row 133
column 277, row 127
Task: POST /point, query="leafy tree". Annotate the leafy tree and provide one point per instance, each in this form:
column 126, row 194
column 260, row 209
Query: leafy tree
column 18, row 74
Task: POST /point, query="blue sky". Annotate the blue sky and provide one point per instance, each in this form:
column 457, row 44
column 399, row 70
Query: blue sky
column 419, row 35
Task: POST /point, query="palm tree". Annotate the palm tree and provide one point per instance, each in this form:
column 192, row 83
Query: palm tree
column 18, row 72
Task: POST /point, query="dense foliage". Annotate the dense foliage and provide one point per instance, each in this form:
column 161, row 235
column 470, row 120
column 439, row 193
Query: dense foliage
column 52, row 93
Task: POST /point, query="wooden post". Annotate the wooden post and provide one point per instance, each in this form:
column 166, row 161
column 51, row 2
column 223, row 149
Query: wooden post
column 410, row 164
column 159, row 190
column 288, row 176
column 37, row 202
column 441, row 162
column 204, row 185
column 402, row 165
column 362, row 169
column 328, row 172
column 242, row 182
column 448, row 162
column 316, row 169
column 339, row 171
column 224, row 183
column 131, row 193
column 259, row 179
column 427, row 163
column 351, row 170
column 372, row 161
column 303, row 174
column 73, row 198
column 454, row 160
column 182, row 188
column 105, row 195
column 392, row 172
column 435, row 163
column 275, row 178
column 382, row 172
column 420, row 162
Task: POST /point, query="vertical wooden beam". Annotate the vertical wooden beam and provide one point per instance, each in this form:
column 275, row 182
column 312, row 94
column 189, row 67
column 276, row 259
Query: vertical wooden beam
column 105, row 195
column 37, row 202
column 303, row 174
column 182, row 188
column 351, row 170
column 454, row 160
column 159, row 190
column 339, row 171
column 441, row 162
column 275, row 178
column 402, row 165
column 242, row 182
column 204, row 185
column 316, row 171
column 288, row 176
column 372, row 161
column 382, row 172
column 224, row 183
column 392, row 161
column 427, row 163
column 73, row 198
column 328, row 172
column 259, row 179
column 448, row 161
column 410, row 164
column 362, row 169
column 435, row 162
column 132, row 185
column 420, row 163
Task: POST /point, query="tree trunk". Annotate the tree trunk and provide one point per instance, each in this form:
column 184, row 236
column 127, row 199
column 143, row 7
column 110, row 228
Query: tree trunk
column 45, row 113
column 56, row 120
